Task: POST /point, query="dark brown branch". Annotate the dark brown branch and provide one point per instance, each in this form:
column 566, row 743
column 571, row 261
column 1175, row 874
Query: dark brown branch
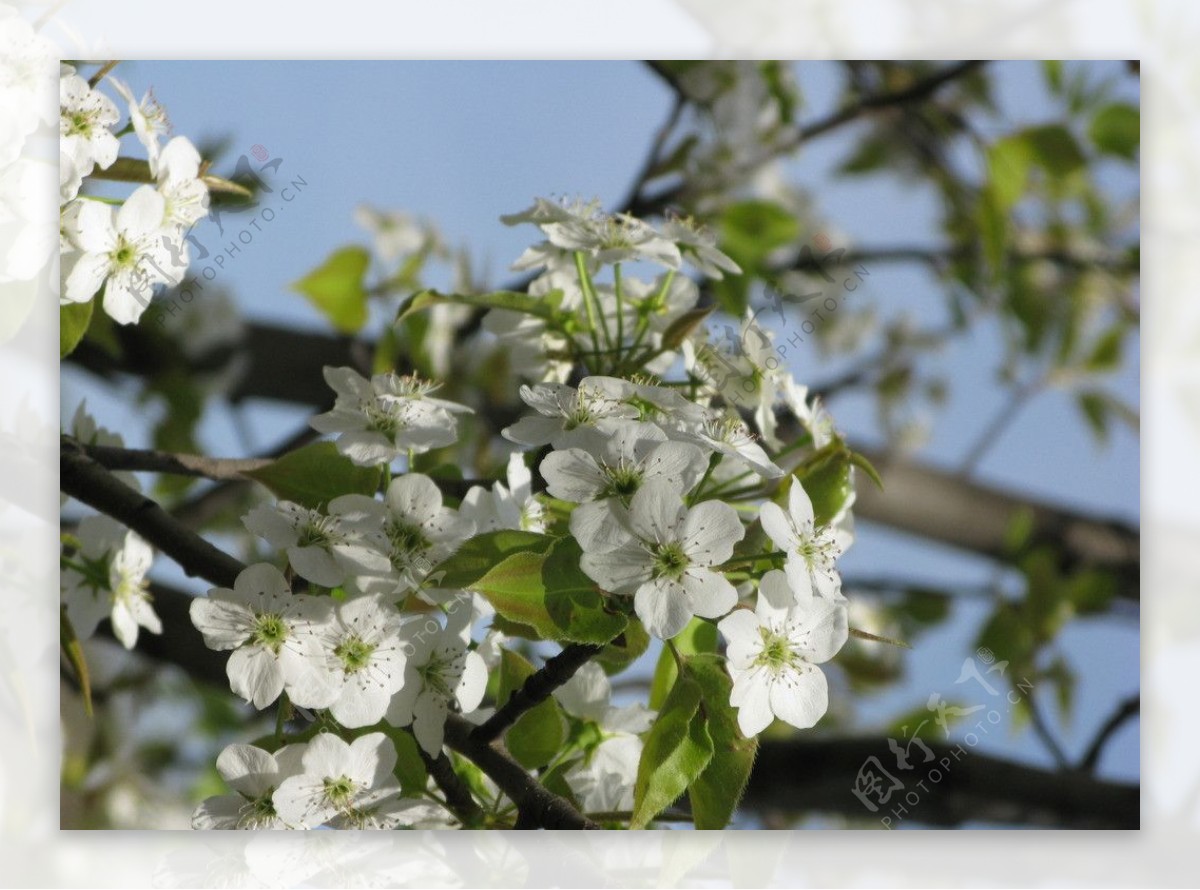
column 137, row 460
column 535, row 804
column 933, row 503
column 806, row 774
column 84, row 479
column 535, row 690
column 458, row 796
column 1128, row 709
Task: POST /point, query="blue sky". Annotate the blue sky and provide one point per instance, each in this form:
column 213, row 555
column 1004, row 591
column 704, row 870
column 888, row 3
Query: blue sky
column 463, row 142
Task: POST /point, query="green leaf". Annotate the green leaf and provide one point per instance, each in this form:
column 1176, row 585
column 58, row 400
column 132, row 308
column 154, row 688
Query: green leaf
column 545, row 307
column 920, row 723
column 715, row 794
column 539, row 733
column 699, row 636
column 1008, row 161
column 626, row 648
column 924, row 607
column 73, row 320
column 550, row 593
column 479, row 555
column 73, row 650
column 1091, row 592
column 316, row 474
column 1007, row 635
column 677, row 750
column 681, row 328
column 1055, row 149
column 1095, row 410
column 749, row 232
column 1116, row 130
column 826, row 480
column 336, row 288
column 1106, row 353
column 860, row 461
column 993, row 229
column 410, row 769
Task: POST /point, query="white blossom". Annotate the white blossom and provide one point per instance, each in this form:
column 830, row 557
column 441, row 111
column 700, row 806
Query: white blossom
column 563, row 411
column 699, row 247
column 85, row 118
column 149, row 119
column 396, row 235
column 583, row 226
column 604, row 478
column 773, row 655
column 324, row 548
column 272, row 634
column 812, row 550
column 127, row 253
column 506, row 506
column 382, row 418
column 731, row 437
column 106, row 578
column 667, row 558
column 337, row 778
column 440, row 670
column 365, row 656
column 253, row 774
column 417, row 531
column 185, row 196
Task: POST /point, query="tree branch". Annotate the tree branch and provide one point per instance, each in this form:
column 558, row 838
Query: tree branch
column 933, row 503
column 458, row 796
column 1129, row 708
column 535, row 804
column 921, row 89
column 535, row 690
column 136, row 460
column 817, row 774
column 84, row 479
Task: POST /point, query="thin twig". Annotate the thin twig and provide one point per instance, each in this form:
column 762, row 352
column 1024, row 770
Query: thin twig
column 536, row 689
column 1042, row 729
column 87, row 481
column 1131, row 707
column 103, row 72
column 995, row 428
column 922, row 89
column 145, row 460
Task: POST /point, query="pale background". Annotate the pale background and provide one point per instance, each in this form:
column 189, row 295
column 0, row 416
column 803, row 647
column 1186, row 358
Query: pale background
column 1162, row 34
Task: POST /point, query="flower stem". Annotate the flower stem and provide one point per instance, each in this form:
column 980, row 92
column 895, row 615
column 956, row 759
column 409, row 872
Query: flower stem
column 590, row 303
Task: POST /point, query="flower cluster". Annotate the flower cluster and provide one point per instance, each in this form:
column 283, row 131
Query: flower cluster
column 325, row 782
column 673, row 509
column 128, row 249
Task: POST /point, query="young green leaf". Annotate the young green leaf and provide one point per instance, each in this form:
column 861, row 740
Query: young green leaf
column 715, row 794
column 73, row 320
column 316, row 474
column 550, row 593
column 676, row 752
column 336, row 288
column 482, row 553
column 539, row 733
column 699, row 636
column 514, row 301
